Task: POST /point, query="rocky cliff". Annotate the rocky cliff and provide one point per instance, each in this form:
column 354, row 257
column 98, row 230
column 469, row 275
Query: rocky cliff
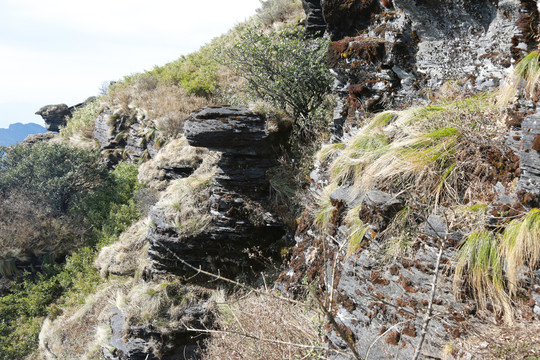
column 380, row 283
column 427, row 171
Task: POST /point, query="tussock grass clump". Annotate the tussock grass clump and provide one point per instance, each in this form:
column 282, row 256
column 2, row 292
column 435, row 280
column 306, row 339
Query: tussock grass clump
column 79, row 333
column 127, row 256
column 479, row 264
column 419, row 149
column 79, row 128
column 325, row 210
column 524, row 78
column 248, row 330
column 520, row 247
column 177, row 153
column 493, row 264
column 184, row 203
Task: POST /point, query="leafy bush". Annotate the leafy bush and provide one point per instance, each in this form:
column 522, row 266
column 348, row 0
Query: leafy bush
column 286, row 69
column 63, row 174
column 196, row 73
column 107, row 206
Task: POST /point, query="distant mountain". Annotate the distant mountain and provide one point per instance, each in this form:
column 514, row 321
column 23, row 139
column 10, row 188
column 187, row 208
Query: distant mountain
column 18, row 132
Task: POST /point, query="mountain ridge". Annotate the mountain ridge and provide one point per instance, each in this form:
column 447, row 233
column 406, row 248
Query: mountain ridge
column 17, row 132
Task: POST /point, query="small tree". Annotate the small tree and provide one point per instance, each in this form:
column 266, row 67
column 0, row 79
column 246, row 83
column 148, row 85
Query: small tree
column 62, row 174
column 285, row 69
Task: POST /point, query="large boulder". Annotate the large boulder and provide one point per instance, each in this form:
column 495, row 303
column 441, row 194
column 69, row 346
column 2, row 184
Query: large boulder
column 54, row 116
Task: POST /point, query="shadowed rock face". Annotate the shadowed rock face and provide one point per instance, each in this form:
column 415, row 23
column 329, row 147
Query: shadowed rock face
column 54, row 116
column 241, row 231
column 315, row 24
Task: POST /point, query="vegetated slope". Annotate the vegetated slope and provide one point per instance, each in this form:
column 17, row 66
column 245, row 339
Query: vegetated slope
column 413, row 236
column 17, row 132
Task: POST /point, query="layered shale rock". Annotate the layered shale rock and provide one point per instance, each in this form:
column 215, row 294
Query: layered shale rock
column 221, row 222
column 123, row 138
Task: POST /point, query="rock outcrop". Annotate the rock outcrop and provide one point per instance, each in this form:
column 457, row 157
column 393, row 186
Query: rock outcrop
column 55, row 115
column 315, row 23
column 123, row 138
column 407, row 49
column 234, row 232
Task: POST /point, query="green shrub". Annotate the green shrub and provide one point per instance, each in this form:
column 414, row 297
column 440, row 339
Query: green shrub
column 196, row 73
column 64, row 174
column 109, row 208
column 285, row 69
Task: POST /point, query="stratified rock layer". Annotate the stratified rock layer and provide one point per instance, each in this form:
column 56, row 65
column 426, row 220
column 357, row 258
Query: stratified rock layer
column 241, row 232
column 391, row 53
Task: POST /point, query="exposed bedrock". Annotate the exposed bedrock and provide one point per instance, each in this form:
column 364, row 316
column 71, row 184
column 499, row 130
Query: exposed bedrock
column 315, row 23
column 55, row 115
column 149, row 343
column 122, row 138
column 240, row 233
column 529, row 153
column 386, row 54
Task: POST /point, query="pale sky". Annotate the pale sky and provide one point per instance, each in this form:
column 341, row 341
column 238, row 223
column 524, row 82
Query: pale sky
column 61, row 51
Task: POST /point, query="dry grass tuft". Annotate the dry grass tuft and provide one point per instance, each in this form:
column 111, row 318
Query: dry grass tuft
column 78, row 334
column 182, row 204
column 524, row 79
column 424, row 150
column 156, row 105
column 273, row 326
column 520, row 247
column 493, row 265
column 177, row 153
column 127, row 256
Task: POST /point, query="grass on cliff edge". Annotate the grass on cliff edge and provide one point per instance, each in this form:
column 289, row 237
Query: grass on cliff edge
column 495, row 264
column 430, row 157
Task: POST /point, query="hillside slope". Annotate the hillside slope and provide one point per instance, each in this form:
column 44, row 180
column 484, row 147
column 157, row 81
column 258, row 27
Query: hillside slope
column 331, row 179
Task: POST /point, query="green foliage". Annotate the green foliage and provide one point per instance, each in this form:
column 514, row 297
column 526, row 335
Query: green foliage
column 285, row 69
column 67, row 175
column 110, row 209
column 196, row 72
column 82, row 121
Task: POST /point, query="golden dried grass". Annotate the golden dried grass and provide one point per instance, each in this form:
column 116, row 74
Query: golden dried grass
column 273, row 327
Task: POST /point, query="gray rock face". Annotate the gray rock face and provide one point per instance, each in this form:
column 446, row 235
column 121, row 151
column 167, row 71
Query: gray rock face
column 315, row 24
column 407, row 47
column 139, row 343
column 233, row 130
column 241, row 230
column 529, row 154
column 55, row 115
column 122, row 138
